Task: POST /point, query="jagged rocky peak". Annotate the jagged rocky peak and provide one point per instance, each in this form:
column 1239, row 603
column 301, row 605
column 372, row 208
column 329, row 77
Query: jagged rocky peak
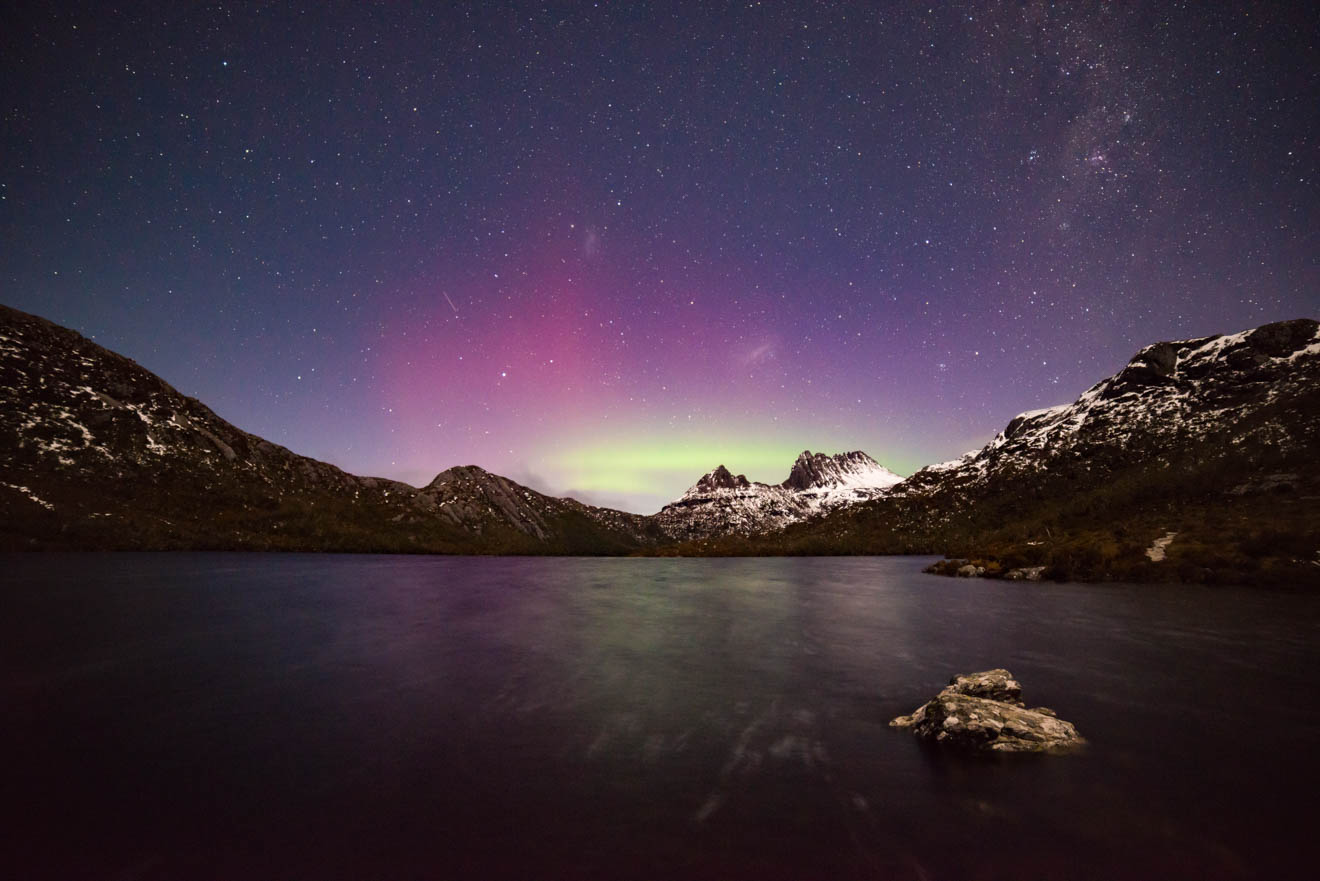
column 1169, row 362
column 1285, row 338
column 808, row 471
column 721, row 478
column 854, row 469
column 1259, row 355
column 459, row 472
column 1167, row 392
column 724, row 504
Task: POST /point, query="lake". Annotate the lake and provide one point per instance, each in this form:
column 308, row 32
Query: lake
column 280, row 716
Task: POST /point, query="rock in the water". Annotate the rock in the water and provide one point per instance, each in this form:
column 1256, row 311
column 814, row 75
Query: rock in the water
column 970, row 571
column 981, row 711
column 1026, row 573
column 996, row 685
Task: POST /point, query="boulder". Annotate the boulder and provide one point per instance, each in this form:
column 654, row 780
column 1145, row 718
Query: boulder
column 982, row 712
column 995, row 685
column 970, row 571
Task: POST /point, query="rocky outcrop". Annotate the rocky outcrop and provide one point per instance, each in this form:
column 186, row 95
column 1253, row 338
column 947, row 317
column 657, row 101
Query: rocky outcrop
column 996, row 685
column 984, row 712
column 722, row 478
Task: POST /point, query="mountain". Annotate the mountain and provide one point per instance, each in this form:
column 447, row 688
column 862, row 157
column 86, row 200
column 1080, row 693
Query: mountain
column 1208, row 445
column 476, row 499
column 721, row 503
column 104, row 454
column 1195, row 462
column 1247, row 390
column 101, row 453
column 839, row 479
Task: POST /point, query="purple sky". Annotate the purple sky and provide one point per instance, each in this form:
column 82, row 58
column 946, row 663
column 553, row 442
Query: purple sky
column 604, row 248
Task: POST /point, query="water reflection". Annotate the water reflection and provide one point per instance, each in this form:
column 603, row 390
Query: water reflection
column 221, row 715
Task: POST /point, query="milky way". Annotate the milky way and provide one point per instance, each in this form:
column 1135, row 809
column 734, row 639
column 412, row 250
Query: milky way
column 603, row 248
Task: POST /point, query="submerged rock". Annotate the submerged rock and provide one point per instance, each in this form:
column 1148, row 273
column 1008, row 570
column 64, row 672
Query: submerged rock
column 983, row 711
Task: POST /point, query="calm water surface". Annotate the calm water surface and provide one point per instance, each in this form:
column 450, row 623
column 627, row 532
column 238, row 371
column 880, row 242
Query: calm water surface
column 289, row 716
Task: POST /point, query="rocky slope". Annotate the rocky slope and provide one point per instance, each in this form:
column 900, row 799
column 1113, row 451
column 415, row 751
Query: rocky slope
column 1170, row 396
column 1214, row 440
column 721, row 503
column 101, row 453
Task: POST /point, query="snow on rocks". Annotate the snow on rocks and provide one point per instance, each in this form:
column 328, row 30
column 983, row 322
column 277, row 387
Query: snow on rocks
column 1168, row 389
column 31, row 495
column 722, row 502
column 984, row 712
column 1155, row 553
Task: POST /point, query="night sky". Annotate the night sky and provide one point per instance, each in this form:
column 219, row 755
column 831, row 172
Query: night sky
column 603, row 248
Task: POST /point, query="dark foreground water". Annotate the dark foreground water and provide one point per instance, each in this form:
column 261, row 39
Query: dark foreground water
column 269, row 716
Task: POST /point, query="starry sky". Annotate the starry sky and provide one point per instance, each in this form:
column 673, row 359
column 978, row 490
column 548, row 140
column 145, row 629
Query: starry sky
column 601, row 248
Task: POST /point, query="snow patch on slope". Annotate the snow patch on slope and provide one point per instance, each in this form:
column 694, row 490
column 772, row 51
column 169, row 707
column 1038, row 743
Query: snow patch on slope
column 31, row 495
column 721, row 502
column 1166, row 388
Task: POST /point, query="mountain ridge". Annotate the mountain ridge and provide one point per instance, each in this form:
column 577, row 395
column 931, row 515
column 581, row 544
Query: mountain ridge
column 133, row 463
column 104, row 454
column 1212, row 440
column 721, row 502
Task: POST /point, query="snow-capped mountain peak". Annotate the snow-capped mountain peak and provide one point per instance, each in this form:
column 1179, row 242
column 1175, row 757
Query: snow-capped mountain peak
column 1166, row 393
column 853, row 470
column 720, row 478
column 722, row 502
